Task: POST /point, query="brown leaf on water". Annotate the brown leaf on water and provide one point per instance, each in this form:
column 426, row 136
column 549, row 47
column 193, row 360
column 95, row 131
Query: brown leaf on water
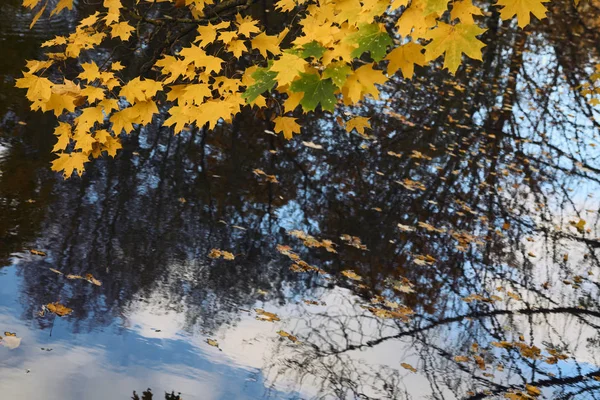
column 408, row 367
column 291, row 337
column 37, row 253
column 58, row 309
column 10, row 334
column 263, row 315
column 90, row 278
column 70, row 276
column 461, row 359
column 56, row 271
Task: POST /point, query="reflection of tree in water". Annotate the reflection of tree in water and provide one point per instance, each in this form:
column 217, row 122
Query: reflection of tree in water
column 148, row 395
column 485, row 160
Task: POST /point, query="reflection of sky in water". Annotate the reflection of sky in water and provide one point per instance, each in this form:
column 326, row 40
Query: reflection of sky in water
column 111, row 362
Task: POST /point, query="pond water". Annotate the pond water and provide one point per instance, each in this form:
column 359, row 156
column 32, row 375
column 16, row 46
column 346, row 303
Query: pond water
column 449, row 253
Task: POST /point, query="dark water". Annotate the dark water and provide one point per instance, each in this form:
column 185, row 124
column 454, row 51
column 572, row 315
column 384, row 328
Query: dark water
column 486, row 286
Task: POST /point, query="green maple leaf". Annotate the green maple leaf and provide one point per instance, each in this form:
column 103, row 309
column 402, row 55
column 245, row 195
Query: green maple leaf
column 263, row 80
column 372, row 38
column 312, row 49
column 316, row 91
column 338, row 72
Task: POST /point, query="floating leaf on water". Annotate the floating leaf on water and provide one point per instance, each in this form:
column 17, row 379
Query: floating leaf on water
column 90, row 278
column 216, row 253
column 56, row 271
column 70, row 276
column 265, row 315
column 353, row 241
column 408, row 367
column 406, row 228
column 37, row 253
column 9, row 334
column 461, row 359
column 291, row 337
column 351, row 275
column 262, row 292
column 212, row 342
column 313, row 145
column 58, row 309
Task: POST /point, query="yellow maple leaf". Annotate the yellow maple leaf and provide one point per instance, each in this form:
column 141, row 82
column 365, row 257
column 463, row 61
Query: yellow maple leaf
column 91, row 72
column 84, row 141
column 63, row 133
column 522, row 9
column 246, row 25
column 122, row 30
column 117, row 66
column 288, row 67
column 195, row 94
column 111, row 146
column 93, row 93
column 114, row 11
column 264, row 43
column 207, row 35
column 452, row 41
column 70, row 162
column 404, row 58
column 362, row 82
column 464, row 11
column 285, row 5
column 210, row 112
column 358, row 123
column 38, row 88
column 292, row 101
column 180, row 117
column 123, row 119
column 57, row 103
column 144, row 111
column 287, row 126
column 200, row 59
column 237, row 47
column 414, row 21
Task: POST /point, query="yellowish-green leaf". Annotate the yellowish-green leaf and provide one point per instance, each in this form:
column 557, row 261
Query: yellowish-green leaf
column 453, row 41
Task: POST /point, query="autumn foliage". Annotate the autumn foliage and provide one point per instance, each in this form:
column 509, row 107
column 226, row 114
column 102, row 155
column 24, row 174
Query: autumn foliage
column 334, row 53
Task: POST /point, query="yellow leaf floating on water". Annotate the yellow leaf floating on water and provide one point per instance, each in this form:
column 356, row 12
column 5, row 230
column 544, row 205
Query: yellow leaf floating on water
column 291, row 337
column 37, row 253
column 263, row 315
column 10, row 334
column 216, row 253
column 532, row 390
column 408, row 367
column 351, row 275
column 353, row 241
column 58, row 309
column 90, row 278
column 212, row 342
